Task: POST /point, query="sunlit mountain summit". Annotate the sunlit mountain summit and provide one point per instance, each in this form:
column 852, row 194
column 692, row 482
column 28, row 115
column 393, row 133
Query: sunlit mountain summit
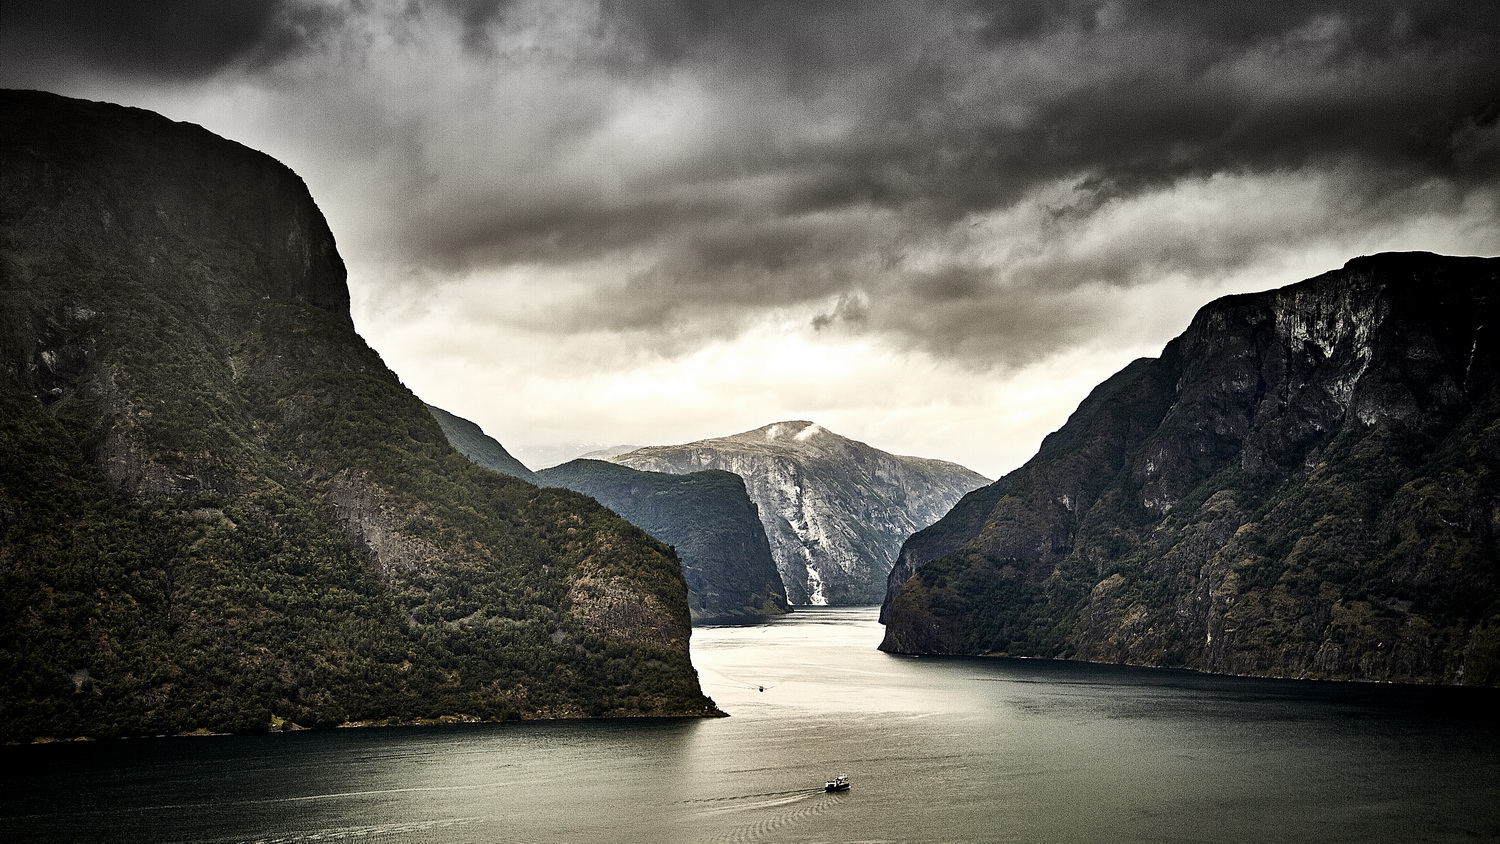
column 835, row 510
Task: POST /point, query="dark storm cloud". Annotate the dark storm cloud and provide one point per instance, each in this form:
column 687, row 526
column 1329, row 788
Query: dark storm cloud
column 805, row 40
column 963, row 107
column 1163, row 90
column 966, row 108
column 477, row 17
column 714, row 275
column 832, row 155
column 168, row 39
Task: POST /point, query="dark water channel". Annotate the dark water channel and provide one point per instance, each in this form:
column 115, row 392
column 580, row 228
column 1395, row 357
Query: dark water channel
column 940, row 750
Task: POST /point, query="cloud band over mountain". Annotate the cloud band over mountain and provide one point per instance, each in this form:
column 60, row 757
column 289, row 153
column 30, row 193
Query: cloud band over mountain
column 985, row 185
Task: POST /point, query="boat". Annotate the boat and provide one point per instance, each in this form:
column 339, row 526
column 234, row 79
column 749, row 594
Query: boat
column 838, row 783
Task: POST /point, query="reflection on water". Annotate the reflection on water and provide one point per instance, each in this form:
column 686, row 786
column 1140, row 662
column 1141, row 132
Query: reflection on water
column 961, row 750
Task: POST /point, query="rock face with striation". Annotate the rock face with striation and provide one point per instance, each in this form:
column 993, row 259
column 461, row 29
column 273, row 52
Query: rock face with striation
column 220, row 511
column 706, row 516
column 835, row 510
column 1304, row 484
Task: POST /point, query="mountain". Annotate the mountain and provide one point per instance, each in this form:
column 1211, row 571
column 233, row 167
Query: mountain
column 481, row 448
column 706, row 516
column 608, row 453
column 220, row 511
column 549, row 455
column 835, row 510
column 1304, row 484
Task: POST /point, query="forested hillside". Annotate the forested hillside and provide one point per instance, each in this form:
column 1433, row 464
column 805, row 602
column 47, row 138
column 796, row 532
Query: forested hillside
column 220, row 511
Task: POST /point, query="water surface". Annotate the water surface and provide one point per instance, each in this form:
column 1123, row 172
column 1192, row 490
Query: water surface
column 940, row 750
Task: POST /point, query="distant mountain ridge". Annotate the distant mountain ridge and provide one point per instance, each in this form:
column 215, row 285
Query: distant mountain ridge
column 607, row 453
column 1304, row 484
column 835, row 510
column 481, row 448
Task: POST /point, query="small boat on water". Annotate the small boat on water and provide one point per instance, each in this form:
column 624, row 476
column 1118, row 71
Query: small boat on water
column 838, row 783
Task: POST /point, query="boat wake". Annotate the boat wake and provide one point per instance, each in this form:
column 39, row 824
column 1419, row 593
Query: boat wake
column 363, row 833
column 741, row 797
column 782, row 809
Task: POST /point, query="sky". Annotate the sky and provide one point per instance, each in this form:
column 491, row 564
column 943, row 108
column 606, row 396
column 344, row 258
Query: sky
column 930, row 226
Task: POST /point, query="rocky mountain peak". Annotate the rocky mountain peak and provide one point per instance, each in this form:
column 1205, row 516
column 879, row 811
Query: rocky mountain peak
column 834, row 509
column 1302, row 484
column 796, row 431
column 783, row 435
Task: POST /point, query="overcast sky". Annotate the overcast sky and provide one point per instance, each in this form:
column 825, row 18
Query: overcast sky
column 930, row 226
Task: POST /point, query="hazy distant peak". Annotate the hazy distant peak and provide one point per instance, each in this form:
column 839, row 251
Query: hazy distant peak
column 607, row 452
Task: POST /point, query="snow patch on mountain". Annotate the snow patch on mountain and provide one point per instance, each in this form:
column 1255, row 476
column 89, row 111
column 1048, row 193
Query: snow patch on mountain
column 835, row 510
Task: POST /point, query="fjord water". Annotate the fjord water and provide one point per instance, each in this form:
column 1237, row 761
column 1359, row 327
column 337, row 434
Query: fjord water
column 940, row 750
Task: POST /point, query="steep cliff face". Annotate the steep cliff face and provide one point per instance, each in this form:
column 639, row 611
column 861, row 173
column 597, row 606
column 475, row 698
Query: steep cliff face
column 219, row 510
column 706, row 516
column 835, row 510
column 1304, row 484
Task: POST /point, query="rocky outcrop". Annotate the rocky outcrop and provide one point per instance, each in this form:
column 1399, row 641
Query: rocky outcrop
column 1304, row 484
column 835, row 510
column 708, row 519
column 221, row 509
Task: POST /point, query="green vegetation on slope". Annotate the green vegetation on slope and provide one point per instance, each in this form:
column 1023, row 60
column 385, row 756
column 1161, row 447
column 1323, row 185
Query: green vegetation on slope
column 220, row 511
column 473, row 443
column 709, row 519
